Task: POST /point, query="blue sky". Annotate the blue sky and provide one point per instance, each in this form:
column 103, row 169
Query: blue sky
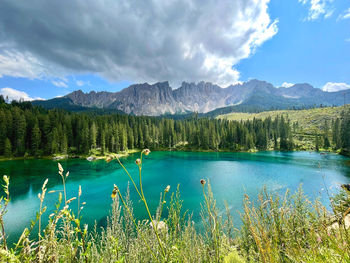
column 289, row 41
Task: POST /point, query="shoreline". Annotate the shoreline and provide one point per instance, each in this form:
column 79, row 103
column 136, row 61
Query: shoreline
column 128, row 152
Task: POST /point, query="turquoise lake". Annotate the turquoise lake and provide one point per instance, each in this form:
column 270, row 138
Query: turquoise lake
column 231, row 176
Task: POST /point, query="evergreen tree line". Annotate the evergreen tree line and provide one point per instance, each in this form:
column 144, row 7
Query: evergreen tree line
column 26, row 130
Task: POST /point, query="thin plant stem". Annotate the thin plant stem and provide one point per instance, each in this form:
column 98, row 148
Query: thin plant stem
column 137, row 228
column 146, row 205
column 129, row 176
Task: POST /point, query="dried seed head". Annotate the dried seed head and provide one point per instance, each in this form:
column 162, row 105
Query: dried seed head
column 108, row 159
column 70, row 200
column 60, row 168
column 5, row 178
column 79, row 190
column 67, row 174
column 203, row 182
column 39, row 195
column 167, row 189
column 138, row 161
column 146, row 151
column 45, row 183
column 115, row 191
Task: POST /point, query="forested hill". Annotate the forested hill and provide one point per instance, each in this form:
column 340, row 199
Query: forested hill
column 26, row 130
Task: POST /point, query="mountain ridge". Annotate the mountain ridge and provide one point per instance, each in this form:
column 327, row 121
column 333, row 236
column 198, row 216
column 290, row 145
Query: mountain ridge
column 202, row 97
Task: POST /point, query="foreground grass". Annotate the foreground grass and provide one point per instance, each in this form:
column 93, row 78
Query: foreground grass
column 275, row 228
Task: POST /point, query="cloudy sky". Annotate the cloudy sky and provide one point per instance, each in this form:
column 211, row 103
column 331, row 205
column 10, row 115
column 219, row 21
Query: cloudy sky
column 50, row 48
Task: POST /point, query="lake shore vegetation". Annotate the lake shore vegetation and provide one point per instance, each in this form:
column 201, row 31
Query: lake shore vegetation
column 28, row 131
column 275, row 228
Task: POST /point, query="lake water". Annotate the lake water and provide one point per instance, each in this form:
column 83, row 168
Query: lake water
column 231, row 175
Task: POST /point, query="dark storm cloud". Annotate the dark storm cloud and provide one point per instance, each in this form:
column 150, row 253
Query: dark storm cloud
column 132, row 39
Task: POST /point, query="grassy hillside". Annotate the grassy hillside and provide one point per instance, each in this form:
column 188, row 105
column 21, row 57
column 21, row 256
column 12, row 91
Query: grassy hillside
column 306, row 123
column 308, row 120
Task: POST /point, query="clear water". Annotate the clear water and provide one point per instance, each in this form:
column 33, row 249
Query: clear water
column 231, row 175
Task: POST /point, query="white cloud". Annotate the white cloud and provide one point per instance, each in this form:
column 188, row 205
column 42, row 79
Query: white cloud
column 81, row 83
column 287, row 85
column 59, row 83
column 14, row 94
column 18, row 64
column 333, row 86
column 190, row 40
column 345, row 15
column 318, row 8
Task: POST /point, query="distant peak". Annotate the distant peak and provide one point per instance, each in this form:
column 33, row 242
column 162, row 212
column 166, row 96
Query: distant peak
column 75, row 93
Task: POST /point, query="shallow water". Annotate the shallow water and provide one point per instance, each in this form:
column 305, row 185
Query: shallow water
column 231, row 175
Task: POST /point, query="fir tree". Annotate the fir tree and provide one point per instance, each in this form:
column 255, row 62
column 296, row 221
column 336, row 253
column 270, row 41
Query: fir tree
column 8, row 148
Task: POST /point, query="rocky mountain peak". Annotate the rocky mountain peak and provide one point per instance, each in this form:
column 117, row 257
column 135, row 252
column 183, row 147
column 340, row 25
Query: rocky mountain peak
column 159, row 98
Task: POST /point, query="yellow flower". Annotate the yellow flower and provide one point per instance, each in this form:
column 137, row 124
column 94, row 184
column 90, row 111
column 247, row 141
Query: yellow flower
column 115, row 191
column 146, row 151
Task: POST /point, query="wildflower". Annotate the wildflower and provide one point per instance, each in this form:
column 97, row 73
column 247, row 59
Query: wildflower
column 319, row 239
column 167, row 189
column 60, row 168
column 115, row 191
column 138, row 161
column 146, row 151
column 203, row 182
column 160, row 225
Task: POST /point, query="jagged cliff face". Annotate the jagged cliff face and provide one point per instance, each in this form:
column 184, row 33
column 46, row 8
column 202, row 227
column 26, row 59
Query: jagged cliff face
column 160, row 98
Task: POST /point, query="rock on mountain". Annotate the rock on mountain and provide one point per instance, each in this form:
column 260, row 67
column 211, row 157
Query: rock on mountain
column 203, row 97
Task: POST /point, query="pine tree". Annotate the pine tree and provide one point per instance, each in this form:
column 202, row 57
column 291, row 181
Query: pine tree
column 317, row 143
column 103, row 142
column 36, row 139
column 93, row 135
column 8, row 148
column 336, row 134
column 326, row 142
column 64, row 145
column 345, row 133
